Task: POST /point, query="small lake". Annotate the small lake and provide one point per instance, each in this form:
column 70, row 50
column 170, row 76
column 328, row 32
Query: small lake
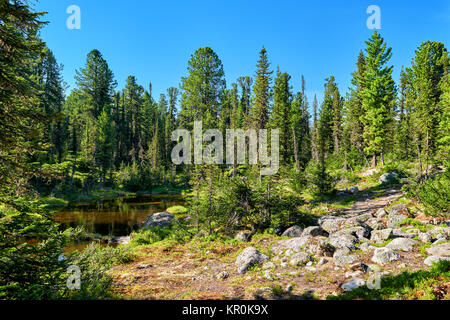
column 115, row 217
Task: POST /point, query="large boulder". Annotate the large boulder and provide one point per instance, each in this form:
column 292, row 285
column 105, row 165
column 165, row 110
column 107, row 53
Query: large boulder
column 384, row 255
column 389, row 177
column 341, row 258
column 403, row 244
column 160, row 219
column 442, row 249
column 433, row 259
column 397, row 214
column 249, row 257
column 343, row 240
column 292, row 232
column 314, row 231
column 294, row 244
column 332, row 224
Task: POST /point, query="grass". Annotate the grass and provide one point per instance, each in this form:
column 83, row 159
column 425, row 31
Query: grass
column 415, row 223
column 419, row 285
column 177, row 210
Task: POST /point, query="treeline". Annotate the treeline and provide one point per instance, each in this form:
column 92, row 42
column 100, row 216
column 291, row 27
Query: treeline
column 125, row 136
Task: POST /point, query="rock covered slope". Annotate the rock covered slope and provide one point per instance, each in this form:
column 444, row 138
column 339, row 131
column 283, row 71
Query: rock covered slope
column 364, row 242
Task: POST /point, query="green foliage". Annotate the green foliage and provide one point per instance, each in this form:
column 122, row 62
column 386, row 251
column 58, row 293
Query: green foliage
column 433, row 194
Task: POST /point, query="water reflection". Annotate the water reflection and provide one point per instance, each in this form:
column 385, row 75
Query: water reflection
column 116, row 217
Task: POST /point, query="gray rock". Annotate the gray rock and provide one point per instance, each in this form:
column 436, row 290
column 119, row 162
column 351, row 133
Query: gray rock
column 160, row 219
column 243, row 236
column 292, row 232
column 353, row 284
column 322, row 261
column 314, row 231
column 433, row 259
column 442, row 249
column 384, row 255
column 399, row 233
column 376, row 224
column 365, row 246
column 222, row 275
column 342, row 258
column 353, row 190
column 403, row 244
column 294, row 244
column 248, row 258
column 332, row 224
column 424, row 237
column 389, row 177
column 397, row 214
column 343, row 240
column 300, row 258
column 381, row 213
column 380, row 236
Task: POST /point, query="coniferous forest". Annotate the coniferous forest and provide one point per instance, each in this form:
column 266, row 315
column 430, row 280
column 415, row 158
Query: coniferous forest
column 361, row 192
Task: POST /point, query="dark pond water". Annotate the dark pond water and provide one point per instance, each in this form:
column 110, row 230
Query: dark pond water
column 116, row 217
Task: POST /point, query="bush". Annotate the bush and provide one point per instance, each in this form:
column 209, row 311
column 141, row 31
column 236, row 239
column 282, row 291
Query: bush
column 434, row 194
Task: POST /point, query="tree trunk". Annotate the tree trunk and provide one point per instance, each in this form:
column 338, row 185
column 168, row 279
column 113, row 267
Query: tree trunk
column 374, row 160
column 297, row 165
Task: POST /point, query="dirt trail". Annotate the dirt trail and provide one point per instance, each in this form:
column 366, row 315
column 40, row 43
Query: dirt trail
column 371, row 202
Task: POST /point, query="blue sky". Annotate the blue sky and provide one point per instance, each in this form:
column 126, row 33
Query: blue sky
column 153, row 40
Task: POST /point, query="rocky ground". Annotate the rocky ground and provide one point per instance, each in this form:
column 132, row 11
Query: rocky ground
column 347, row 249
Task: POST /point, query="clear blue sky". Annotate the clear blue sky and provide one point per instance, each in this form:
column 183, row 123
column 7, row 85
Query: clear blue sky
column 153, row 40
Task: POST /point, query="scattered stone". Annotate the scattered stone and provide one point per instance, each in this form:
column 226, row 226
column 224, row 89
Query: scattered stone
column 121, row 240
column 370, row 172
column 300, row 258
column 332, row 224
column 314, row 231
column 144, row 266
column 160, row 219
column 403, row 244
column 442, row 249
column 365, row 246
column 389, row 177
column 284, row 265
column 341, row 258
column 380, row 236
column 249, row 257
column 353, row 190
column 353, row 284
column 381, row 213
column 424, row 237
column 322, row 261
column 267, row 275
column 373, row 268
column 397, row 214
column 309, row 264
column 433, row 259
column 288, row 288
column 222, row 275
column 243, row 236
column 292, row 232
column 399, row 233
column 384, row 255
column 343, row 240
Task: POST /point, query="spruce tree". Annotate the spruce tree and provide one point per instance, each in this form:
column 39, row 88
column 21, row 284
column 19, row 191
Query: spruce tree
column 378, row 96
